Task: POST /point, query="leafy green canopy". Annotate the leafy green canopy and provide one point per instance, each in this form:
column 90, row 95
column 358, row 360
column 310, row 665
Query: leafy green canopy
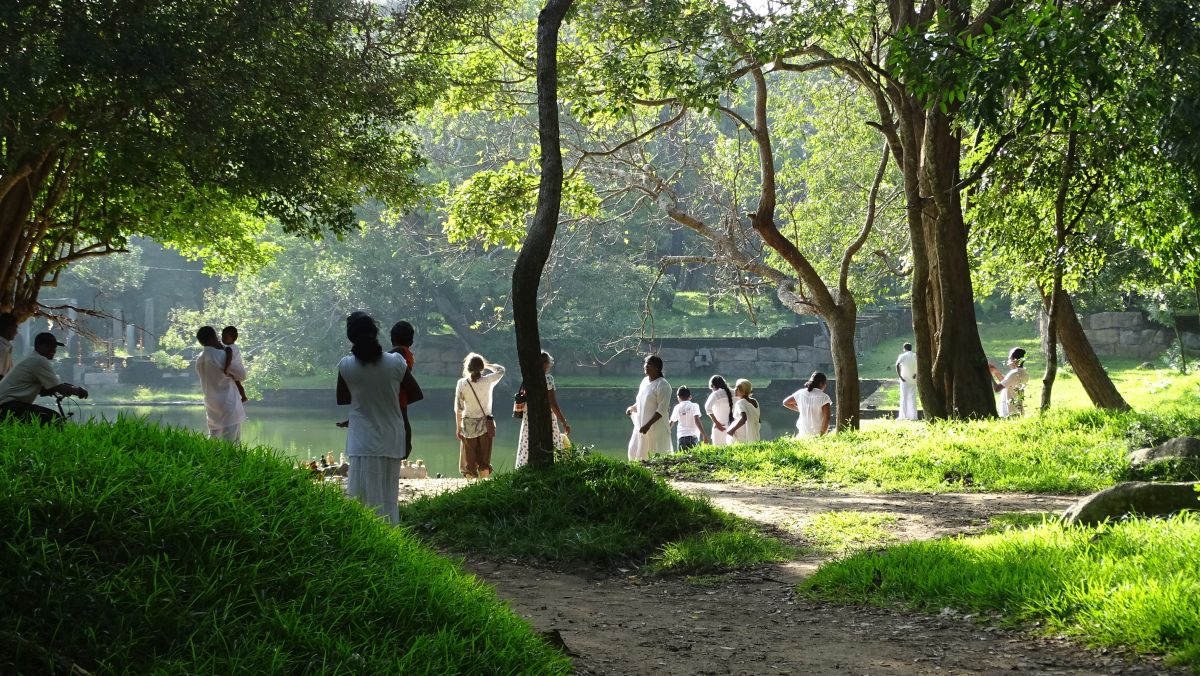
column 193, row 121
column 131, row 548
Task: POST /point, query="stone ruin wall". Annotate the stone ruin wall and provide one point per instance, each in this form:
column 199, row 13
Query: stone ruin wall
column 1130, row 334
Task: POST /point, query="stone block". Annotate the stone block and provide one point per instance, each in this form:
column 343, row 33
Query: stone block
column 726, row 355
column 777, row 354
column 1134, row 497
column 1183, row 448
column 1117, row 320
column 1131, row 336
column 673, row 357
column 821, row 341
column 732, row 370
column 1104, row 336
column 777, row 369
column 1191, row 341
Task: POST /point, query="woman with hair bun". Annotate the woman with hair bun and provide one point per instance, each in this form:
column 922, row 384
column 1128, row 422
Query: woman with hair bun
column 369, row 382
column 719, row 407
column 747, row 414
column 472, row 413
column 1012, row 386
column 556, row 417
column 813, row 405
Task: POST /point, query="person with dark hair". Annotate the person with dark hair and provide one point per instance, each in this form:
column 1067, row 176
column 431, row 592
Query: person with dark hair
column 369, row 382
column 222, row 403
column 719, row 408
column 403, row 334
column 474, row 423
column 233, row 353
column 686, row 415
column 650, row 412
column 906, row 371
column 556, row 417
column 34, row 376
column 1012, row 386
column 8, row 332
column 813, row 405
column 747, row 413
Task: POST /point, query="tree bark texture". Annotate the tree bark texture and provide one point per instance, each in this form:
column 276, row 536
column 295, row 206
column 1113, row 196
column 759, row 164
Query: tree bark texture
column 1084, row 362
column 535, row 250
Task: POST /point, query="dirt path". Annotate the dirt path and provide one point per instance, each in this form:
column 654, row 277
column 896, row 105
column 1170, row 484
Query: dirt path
column 752, row 623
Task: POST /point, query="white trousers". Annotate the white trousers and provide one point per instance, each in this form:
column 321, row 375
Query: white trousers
column 908, row 400
column 375, row 481
column 228, row 433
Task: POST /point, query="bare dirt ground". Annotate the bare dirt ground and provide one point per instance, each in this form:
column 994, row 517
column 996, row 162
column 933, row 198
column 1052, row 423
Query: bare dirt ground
column 752, row 623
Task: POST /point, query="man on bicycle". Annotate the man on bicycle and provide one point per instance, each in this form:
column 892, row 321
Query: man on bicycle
column 33, row 376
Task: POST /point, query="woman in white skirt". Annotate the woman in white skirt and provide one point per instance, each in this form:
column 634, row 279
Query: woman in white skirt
column 719, row 408
column 746, row 413
column 369, row 382
column 813, row 405
column 556, row 416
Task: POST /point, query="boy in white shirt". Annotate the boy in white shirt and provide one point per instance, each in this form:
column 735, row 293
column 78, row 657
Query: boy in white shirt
column 687, row 416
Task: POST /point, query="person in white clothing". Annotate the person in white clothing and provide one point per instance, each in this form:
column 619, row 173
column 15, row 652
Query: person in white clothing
column 222, row 403
column 906, row 371
column 472, row 415
column 651, row 409
column 8, row 331
column 32, row 377
column 369, row 382
column 747, row 414
column 686, row 415
column 719, row 408
column 1012, row 386
column 813, row 405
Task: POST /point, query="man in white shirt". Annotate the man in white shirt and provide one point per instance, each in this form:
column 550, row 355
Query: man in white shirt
column 8, row 331
column 33, row 376
column 906, row 370
column 650, row 412
column 222, row 403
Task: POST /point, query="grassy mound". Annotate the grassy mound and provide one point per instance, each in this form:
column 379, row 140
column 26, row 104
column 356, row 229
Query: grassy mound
column 1135, row 583
column 134, row 549
column 592, row 511
column 1060, row 451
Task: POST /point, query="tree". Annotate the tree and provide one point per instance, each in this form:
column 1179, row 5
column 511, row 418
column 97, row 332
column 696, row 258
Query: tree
column 194, row 122
column 527, row 273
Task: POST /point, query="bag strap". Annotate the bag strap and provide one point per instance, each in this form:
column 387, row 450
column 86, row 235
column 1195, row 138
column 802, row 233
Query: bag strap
column 481, row 408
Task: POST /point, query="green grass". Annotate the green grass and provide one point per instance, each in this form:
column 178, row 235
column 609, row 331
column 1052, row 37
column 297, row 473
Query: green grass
column 1135, row 583
column 592, row 511
column 1061, row 451
column 135, row 549
column 844, row 532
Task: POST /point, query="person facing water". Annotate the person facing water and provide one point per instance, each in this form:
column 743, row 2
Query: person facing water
column 1012, row 386
column 746, row 413
column 906, row 371
column 473, row 421
column 719, row 408
column 813, row 405
column 369, row 383
column 686, row 414
column 650, row 411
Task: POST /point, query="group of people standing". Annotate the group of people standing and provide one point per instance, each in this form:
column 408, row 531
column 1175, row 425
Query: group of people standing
column 735, row 415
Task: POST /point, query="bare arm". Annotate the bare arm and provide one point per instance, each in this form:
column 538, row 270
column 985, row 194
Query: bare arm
column 825, row 419
column 700, row 426
column 898, row 372
column 790, row 404
column 737, row 425
column 557, row 411
column 650, row 423
column 66, row 389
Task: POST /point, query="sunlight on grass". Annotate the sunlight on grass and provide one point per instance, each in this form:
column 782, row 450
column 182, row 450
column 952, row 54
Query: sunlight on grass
column 1135, row 583
column 844, row 532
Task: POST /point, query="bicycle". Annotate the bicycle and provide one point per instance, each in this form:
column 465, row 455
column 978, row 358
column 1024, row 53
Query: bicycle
column 58, row 402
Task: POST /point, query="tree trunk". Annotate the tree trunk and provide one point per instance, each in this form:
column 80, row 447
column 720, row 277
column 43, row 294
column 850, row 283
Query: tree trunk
column 845, row 366
column 535, row 250
column 1087, row 366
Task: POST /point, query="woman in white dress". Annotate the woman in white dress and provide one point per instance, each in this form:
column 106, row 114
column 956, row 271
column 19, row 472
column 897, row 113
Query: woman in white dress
column 556, row 416
column 1012, row 386
column 651, row 410
column 813, row 405
column 746, row 414
column 369, row 382
column 719, row 408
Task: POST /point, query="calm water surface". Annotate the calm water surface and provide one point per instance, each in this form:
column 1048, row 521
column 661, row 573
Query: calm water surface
column 305, row 431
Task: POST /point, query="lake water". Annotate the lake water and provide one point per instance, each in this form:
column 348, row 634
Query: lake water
column 304, row 431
